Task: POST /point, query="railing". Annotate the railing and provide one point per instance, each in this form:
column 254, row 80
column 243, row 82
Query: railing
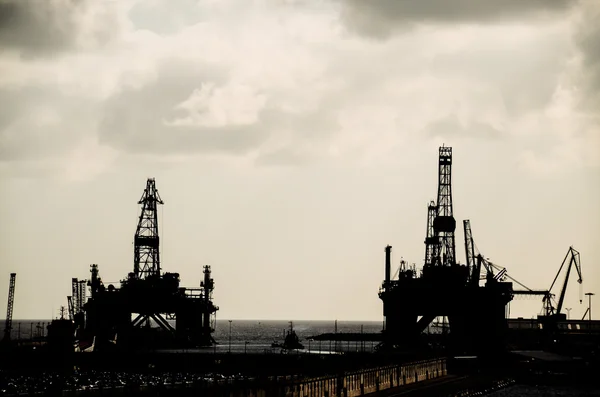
column 349, row 384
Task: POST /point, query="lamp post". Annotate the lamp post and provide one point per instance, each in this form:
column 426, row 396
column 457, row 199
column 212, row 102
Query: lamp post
column 568, row 309
column 230, row 335
column 589, row 295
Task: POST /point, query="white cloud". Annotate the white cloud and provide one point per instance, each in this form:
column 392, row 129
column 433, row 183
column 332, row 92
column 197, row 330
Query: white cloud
column 288, row 79
column 231, row 105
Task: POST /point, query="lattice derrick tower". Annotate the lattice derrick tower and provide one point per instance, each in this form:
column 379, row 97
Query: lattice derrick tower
column 146, row 260
column 444, row 224
column 208, row 286
column 431, row 240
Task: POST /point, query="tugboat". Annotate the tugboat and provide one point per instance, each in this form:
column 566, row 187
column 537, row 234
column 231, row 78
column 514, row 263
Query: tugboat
column 291, row 340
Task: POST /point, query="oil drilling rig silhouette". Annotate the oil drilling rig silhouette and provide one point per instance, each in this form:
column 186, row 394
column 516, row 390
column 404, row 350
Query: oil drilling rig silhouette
column 477, row 314
column 444, row 288
column 140, row 314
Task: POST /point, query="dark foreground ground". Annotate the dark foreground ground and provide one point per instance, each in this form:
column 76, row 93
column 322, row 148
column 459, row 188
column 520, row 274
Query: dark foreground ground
column 547, row 391
column 151, row 374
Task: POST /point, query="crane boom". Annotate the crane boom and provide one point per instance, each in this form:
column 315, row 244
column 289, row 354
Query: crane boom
column 9, row 309
column 473, row 268
column 573, row 261
column 71, row 310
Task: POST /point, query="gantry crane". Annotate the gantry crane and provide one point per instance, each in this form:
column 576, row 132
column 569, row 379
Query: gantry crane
column 9, row 309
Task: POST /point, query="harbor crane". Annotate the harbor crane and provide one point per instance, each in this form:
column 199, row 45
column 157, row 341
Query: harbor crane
column 573, row 260
column 475, row 262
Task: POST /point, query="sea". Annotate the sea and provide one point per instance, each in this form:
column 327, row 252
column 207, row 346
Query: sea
column 252, row 336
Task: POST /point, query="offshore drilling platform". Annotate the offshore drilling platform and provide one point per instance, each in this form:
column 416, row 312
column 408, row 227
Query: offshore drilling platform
column 445, row 288
column 140, row 314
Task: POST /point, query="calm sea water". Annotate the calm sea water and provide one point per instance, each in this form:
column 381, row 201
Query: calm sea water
column 252, row 336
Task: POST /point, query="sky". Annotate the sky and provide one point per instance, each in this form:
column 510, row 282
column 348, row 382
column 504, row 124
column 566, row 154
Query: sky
column 292, row 140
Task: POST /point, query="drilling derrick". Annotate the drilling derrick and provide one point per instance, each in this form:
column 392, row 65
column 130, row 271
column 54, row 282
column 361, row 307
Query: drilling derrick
column 431, row 240
column 146, row 242
column 9, row 309
column 209, row 320
column 444, row 223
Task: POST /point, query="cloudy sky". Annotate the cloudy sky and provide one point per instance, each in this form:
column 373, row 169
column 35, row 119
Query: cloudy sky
column 291, row 140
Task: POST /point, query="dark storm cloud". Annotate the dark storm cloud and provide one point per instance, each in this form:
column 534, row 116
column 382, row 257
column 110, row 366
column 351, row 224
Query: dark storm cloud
column 43, row 27
column 380, row 18
column 587, row 39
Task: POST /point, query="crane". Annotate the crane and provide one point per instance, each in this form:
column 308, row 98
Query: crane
column 573, row 256
column 9, row 310
column 470, row 252
column 475, row 260
column 71, row 308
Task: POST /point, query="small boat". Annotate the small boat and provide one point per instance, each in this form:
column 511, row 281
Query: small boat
column 290, row 341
